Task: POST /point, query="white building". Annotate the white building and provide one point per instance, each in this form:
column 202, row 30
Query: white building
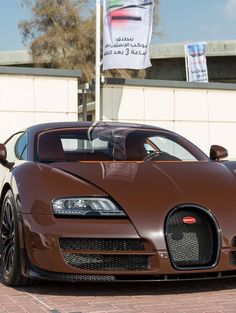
column 205, row 113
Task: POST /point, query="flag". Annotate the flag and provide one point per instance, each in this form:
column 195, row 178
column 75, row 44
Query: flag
column 127, row 30
column 196, row 65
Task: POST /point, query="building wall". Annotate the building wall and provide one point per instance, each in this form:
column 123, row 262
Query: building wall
column 205, row 116
column 220, row 69
column 168, row 61
column 26, row 100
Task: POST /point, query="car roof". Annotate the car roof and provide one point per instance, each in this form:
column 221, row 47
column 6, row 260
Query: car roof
column 57, row 125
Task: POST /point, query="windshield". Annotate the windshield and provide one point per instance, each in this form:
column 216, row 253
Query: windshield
column 114, row 143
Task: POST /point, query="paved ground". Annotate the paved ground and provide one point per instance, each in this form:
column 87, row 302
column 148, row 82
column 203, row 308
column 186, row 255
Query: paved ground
column 178, row 297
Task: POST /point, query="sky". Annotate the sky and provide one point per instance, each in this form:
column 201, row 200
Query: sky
column 181, row 21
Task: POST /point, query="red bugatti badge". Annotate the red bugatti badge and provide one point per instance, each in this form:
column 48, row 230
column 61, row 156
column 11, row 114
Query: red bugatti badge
column 189, row 220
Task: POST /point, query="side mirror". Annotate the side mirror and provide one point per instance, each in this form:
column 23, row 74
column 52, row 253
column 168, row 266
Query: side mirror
column 218, row 152
column 3, row 153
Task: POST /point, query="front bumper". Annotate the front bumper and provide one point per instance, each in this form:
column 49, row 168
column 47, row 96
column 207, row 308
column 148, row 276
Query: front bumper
column 43, row 255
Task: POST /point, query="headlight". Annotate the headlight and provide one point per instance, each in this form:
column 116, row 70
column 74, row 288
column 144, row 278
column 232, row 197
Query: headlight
column 86, row 207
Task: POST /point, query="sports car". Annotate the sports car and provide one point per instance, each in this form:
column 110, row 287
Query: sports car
column 114, row 202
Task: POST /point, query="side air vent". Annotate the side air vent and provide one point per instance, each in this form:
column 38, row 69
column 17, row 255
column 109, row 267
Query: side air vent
column 106, row 254
column 101, row 244
column 107, row 262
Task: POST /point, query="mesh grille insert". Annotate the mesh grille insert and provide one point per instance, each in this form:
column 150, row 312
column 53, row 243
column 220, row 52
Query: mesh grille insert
column 233, row 258
column 107, row 262
column 191, row 245
column 101, row 244
column 234, row 242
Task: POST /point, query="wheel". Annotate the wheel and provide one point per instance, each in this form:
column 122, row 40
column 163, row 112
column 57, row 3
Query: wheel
column 9, row 243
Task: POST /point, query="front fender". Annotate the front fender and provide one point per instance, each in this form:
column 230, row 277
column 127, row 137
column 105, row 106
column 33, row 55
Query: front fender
column 231, row 165
column 35, row 185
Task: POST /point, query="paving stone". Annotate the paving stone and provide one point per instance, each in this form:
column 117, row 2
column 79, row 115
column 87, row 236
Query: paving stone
column 218, row 296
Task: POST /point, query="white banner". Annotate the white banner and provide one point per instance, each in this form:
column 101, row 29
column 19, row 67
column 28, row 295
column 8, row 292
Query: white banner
column 127, row 30
column 196, row 65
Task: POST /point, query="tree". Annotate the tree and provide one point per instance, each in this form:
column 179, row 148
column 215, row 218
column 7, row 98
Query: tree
column 61, row 34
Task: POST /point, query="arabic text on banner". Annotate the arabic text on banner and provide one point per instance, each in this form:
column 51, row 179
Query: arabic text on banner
column 127, row 29
column 196, row 62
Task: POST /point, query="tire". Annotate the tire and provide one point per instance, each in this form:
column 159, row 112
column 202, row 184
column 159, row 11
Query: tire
column 9, row 243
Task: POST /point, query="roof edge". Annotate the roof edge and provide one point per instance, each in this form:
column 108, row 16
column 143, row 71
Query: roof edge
column 168, row 84
column 12, row 70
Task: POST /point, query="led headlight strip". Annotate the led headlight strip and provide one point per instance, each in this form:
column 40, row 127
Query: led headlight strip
column 86, row 206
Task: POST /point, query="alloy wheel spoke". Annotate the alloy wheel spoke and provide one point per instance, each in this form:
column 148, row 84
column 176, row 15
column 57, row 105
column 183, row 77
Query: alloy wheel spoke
column 8, row 221
column 9, row 216
column 7, row 244
column 8, row 260
column 8, row 238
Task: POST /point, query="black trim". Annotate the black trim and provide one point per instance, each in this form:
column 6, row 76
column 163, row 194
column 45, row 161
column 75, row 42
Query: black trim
column 37, row 273
column 126, row 18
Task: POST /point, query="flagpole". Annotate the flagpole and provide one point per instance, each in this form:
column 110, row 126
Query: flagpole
column 98, row 43
column 186, row 63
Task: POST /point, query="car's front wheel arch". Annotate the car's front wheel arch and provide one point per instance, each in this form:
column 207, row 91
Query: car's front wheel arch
column 10, row 243
column 5, row 189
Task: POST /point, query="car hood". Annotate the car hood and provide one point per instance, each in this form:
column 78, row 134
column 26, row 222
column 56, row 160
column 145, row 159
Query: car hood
column 147, row 191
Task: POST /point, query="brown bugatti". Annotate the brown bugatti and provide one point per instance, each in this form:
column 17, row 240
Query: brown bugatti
column 114, row 202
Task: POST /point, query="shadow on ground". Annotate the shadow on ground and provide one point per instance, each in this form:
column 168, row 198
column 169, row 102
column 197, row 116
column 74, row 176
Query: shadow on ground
column 126, row 289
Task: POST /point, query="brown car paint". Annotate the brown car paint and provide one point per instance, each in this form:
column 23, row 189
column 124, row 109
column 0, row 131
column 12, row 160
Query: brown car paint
column 147, row 191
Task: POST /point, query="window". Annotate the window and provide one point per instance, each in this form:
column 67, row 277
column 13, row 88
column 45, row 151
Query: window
column 170, row 147
column 82, row 145
column 10, row 146
column 114, row 143
column 71, row 145
column 21, row 147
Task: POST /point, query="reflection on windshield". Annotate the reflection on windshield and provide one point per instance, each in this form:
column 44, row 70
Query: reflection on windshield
column 115, row 142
